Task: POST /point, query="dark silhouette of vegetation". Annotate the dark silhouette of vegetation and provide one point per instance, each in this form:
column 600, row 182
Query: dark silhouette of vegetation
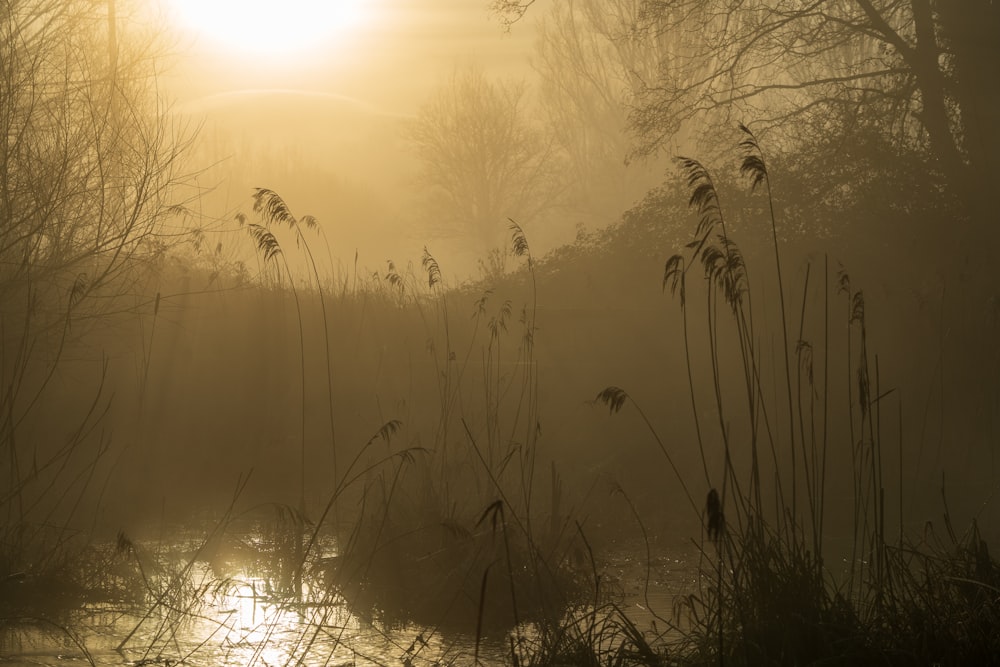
column 482, row 158
column 318, row 463
column 88, row 163
column 916, row 70
column 771, row 595
column 591, row 63
column 445, row 525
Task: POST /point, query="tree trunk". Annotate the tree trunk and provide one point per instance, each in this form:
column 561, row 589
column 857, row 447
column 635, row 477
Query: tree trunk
column 969, row 31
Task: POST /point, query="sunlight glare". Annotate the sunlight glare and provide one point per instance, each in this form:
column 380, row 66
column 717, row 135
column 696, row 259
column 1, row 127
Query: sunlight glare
column 269, row 28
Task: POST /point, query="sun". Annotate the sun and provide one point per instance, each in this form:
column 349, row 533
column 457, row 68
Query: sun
column 268, row 27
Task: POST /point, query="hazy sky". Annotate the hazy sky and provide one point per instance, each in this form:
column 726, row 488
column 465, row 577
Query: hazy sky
column 389, row 53
column 306, row 99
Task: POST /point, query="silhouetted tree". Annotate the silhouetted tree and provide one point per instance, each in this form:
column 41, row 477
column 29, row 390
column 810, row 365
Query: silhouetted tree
column 482, row 158
column 510, row 11
column 923, row 70
column 591, row 63
column 86, row 164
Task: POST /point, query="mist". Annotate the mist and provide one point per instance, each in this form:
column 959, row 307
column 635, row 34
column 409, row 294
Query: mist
column 565, row 332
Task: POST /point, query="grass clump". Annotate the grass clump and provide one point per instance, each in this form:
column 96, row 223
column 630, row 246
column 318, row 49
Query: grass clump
column 66, row 579
column 773, row 420
column 457, row 539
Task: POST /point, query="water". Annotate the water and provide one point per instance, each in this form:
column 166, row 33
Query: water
column 216, row 612
column 234, row 628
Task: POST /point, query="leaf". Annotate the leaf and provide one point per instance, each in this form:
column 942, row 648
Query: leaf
column 754, row 170
column 481, row 303
column 272, row 208
column 613, row 397
column 392, row 276
column 858, row 307
column 431, row 267
column 699, row 243
column 518, row 241
column 704, row 197
column 734, row 276
column 493, row 510
column 673, row 274
column 387, row 430
column 713, row 259
column 266, row 242
column 753, row 167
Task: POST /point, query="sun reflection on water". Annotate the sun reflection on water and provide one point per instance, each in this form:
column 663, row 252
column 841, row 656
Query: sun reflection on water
column 231, row 605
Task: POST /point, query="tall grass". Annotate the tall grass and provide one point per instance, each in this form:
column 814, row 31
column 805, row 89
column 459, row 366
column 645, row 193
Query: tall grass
column 428, row 533
column 448, row 528
column 444, row 533
column 772, row 590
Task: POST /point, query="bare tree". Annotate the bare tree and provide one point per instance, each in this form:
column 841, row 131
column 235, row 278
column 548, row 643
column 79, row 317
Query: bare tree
column 482, row 159
column 591, row 63
column 922, row 71
column 918, row 69
column 510, row 12
column 86, row 166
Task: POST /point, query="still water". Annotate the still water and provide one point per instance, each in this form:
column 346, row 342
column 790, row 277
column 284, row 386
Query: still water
column 207, row 615
column 233, row 622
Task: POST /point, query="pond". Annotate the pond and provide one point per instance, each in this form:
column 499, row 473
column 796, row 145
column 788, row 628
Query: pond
column 228, row 611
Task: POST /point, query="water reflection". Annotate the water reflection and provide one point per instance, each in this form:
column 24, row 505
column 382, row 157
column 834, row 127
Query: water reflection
column 210, row 606
column 230, row 605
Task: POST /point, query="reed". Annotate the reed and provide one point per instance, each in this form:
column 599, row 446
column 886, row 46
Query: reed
column 429, row 553
column 446, row 528
column 770, row 592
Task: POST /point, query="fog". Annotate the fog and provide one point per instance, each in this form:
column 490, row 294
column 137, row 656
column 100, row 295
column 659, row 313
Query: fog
column 475, row 326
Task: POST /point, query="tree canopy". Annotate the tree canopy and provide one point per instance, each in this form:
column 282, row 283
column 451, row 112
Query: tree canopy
column 919, row 70
column 482, row 160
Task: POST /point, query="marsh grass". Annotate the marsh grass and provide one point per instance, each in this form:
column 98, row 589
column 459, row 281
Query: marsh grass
column 457, row 528
column 73, row 575
column 452, row 533
column 770, row 590
column 451, row 541
column 441, row 536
